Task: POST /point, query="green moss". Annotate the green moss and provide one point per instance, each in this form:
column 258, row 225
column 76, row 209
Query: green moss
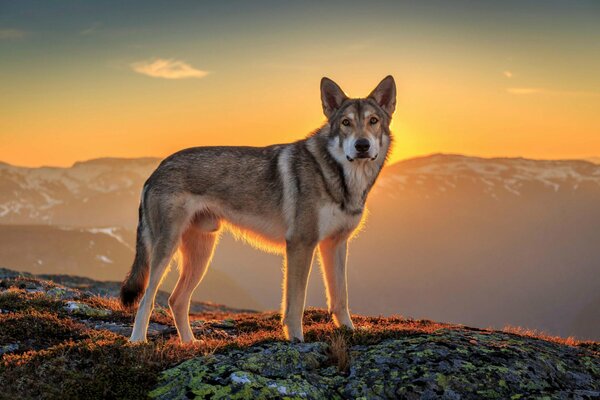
column 270, row 371
column 407, row 367
column 82, row 309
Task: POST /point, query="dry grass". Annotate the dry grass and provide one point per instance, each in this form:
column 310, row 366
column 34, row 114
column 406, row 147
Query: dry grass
column 59, row 357
column 339, row 352
column 534, row 333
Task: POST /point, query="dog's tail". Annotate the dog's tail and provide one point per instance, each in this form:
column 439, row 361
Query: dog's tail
column 136, row 281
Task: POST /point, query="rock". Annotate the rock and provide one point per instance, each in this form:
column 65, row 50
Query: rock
column 10, row 274
column 154, row 328
column 8, row 348
column 449, row 364
column 83, row 309
column 269, row 371
column 63, row 293
column 224, row 324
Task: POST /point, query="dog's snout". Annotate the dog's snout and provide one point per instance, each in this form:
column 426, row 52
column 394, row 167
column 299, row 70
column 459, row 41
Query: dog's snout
column 362, row 145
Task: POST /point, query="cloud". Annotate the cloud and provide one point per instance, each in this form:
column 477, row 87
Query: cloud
column 91, row 29
column 167, row 69
column 507, row 74
column 537, row 90
column 12, row 34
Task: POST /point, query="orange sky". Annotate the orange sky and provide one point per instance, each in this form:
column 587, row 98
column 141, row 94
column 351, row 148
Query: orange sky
column 478, row 81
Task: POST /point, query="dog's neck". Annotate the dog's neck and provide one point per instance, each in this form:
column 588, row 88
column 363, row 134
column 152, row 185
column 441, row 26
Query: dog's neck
column 360, row 174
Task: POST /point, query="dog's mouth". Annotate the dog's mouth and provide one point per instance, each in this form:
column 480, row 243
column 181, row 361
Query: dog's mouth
column 362, row 155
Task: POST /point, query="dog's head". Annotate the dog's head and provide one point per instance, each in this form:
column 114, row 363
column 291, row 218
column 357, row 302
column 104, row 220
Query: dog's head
column 361, row 126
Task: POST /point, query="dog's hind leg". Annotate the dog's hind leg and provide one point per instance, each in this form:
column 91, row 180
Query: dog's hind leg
column 197, row 245
column 162, row 251
column 333, row 264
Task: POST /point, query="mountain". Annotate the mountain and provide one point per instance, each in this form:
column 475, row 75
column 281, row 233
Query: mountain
column 489, row 242
column 90, row 193
column 99, row 253
column 595, row 160
column 62, row 343
column 485, row 242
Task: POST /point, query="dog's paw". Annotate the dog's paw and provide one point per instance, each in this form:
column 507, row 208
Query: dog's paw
column 343, row 321
column 293, row 335
column 138, row 340
column 192, row 342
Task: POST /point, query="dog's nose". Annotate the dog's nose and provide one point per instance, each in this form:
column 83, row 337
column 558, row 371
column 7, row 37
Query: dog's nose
column 362, row 145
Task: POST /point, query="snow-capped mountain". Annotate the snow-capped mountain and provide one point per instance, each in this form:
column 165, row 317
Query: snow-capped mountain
column 104, row 192
column 485, row 242
column 496, row 177
column 91, row 193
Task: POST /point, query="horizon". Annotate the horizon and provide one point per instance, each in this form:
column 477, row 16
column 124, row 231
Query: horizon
column 85, row 80
column 592, row 159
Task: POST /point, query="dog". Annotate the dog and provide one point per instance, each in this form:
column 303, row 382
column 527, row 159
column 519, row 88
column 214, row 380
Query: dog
column 289, row 198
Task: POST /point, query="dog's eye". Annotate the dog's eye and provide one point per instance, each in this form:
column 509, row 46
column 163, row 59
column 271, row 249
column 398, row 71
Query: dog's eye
column 373, row 121
column 345, row 122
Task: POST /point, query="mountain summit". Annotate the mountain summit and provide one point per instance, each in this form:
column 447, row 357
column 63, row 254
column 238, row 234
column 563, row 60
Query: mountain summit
column 57, row 342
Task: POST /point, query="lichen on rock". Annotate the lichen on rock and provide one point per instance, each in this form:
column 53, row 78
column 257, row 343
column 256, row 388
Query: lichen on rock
column 82, row 309
column 267, row 371
column 448, row 364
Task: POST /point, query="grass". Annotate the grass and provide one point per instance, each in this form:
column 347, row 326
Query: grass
column 59, row 356
column 339, row 353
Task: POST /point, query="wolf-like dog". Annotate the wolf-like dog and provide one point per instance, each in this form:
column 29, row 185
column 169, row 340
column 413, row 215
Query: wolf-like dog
column 292, row 198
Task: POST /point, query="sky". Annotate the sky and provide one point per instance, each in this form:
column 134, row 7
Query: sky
column 81, row 79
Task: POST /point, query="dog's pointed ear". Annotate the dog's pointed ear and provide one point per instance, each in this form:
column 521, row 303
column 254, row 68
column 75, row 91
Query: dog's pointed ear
column 332, row 96
column 385, row 94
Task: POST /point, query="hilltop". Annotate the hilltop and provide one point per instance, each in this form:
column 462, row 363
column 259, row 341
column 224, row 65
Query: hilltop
column 61, row 342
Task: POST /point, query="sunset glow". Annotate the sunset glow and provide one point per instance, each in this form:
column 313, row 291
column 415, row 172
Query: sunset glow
column 88, row 80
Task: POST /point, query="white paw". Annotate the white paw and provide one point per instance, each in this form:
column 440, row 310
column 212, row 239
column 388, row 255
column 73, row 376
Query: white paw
column 293, row 334
column 134, row 339
column 343, row 321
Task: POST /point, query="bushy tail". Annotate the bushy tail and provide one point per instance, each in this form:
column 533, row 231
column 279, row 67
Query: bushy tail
column 136, row 281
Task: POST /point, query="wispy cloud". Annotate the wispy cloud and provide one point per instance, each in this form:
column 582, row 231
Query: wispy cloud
column 167, row 69
column 507, row 74
column 538, row 90
column 7, row 34
column 91, row 29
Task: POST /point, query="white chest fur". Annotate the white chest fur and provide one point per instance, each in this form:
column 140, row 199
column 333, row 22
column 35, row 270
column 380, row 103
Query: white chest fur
column 334, row 221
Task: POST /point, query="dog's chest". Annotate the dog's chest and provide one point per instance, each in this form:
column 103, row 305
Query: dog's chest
column 334, row 221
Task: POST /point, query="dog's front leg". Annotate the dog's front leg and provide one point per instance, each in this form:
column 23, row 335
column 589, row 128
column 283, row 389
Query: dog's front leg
column 333, row 254
column 298, row 260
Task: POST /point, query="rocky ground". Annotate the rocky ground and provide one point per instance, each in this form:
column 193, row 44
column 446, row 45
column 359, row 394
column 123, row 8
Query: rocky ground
column 69, row 343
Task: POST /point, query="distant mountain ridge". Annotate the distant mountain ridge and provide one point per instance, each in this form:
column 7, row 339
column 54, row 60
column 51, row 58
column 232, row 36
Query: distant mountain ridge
column 486, row 242
column 65, row 195
column 595, row 160
column 103, row 254
column 498, row 175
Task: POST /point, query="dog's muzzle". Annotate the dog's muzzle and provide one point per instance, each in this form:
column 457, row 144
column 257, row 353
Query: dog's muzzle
column 362, row 147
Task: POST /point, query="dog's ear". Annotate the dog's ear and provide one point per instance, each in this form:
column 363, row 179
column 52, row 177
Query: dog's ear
column 385, row 94
column 332, row 96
